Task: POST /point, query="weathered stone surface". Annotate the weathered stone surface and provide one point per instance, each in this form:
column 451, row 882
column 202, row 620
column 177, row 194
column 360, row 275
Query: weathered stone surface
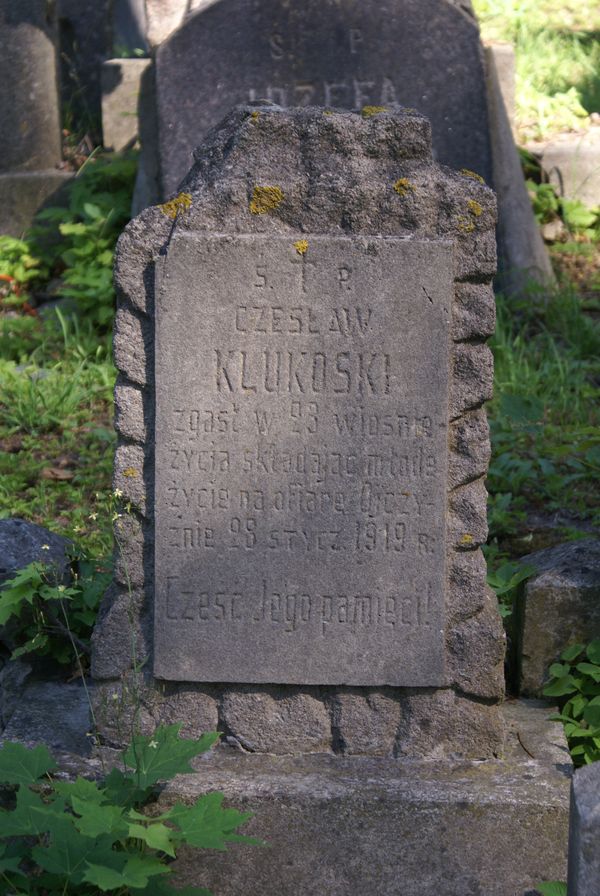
column 30, row 135
column 323, row 52
column 360, row 178
column 442, row 724
column 130, row 414
column 24, row 193
column 194, row 707
column 290, row 722
column 262, row 383
column 121, row 80
column 522, row 255
column 470, row 448
column 349, row 825
column 474, row 311
column 572, row 163
column 467, row 523
column 476, row 652
column 473, row 377
column 119, row 613
column 130, row 345
column 366, row 722
column 56, row 714
column 501, row 55
column 133, row 542
column 560, row 605
column 128, row 475
column 584, row 832
column 22, row 543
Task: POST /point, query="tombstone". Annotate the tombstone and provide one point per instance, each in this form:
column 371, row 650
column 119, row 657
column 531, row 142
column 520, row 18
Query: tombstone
column 302, row 449
column 30, row 145
column 584, row 832
column 343, row 55
column 424, row 54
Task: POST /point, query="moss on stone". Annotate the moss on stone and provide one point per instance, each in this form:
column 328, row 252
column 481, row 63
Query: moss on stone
column 265, row 199
column 474, row 208
column 403, row 186
column 466, row 172
column 301, row 247
column 369, row 111
column 179, row 203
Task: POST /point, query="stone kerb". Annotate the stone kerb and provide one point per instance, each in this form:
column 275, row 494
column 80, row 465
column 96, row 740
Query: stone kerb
column 347, row 175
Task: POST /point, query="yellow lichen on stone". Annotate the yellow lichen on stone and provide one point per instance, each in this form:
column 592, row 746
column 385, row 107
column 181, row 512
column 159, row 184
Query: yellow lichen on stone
column 474, row 208
column 466, row 172
column 402, row 186
column 369, row 111
column 131, row 473
column 465, row 225
column 265, row 199
column 467, row 539
column 328, row 112
column 255, row 115
column 173, row 207
column 301, row 247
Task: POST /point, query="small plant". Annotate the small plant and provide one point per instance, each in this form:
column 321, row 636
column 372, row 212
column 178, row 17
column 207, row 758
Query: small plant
column 552, row 888
column 61, row 838
column 504, row 580
column 576, row 683
column 53, row 619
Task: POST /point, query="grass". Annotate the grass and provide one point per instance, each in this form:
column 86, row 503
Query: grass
column 558, row 60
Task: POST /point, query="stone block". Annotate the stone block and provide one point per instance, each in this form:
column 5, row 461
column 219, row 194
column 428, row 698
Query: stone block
column 584, row 832
column 130, row 414
column 130, row 345
column 523, row 258
column 128, row 476
column 22, row 543
column 474, row 311
column 24, row 193
column 119, row 614
column 559, row 605
column 468, row 515
column 30, row 137
column 572, row 163
column 366, row 722
column 121, row 80
column 292, row 721
column 470, row 448
column 350, row 825
column 473, row 377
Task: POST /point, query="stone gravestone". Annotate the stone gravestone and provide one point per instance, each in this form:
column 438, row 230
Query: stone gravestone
column 301, row 344
column 300, row 340
column 30, row 145
column 421, row 53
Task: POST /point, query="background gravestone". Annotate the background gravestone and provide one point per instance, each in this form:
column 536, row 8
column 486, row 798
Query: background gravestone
column 419, row 53
column 30, row 141
column 298, row 200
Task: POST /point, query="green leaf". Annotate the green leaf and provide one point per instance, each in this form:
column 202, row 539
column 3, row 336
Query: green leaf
column 20, row 765
column 589, row 669
column 82, row 789
column 561, row 686
column 558, row 670
column 572, row 652
column 593, row 651
column 95, row 819
column 31, row 817
column 552, row 888
column 591, row 714
column 157, row 836
column 135, row 872
column 164, row 754
column 207, row 825
column 38, row 642
column 68, row 852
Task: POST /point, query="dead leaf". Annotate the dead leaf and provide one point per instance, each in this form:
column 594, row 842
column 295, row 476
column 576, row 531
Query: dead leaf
column 57, row 473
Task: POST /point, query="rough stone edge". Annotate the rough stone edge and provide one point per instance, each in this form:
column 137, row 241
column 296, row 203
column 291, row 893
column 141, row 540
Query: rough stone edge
column 471, row 382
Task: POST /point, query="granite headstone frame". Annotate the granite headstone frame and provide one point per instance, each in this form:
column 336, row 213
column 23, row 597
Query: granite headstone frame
column 424, row 54
column 300, row 341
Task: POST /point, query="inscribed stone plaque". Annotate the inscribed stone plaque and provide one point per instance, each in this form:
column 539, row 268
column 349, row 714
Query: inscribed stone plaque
column 301, row 453
column 345, row 54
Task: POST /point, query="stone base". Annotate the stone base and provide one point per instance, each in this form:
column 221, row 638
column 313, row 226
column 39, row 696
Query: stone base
column 351, row 826
column 346, row 826
column 23, row 193
column 572, row 163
